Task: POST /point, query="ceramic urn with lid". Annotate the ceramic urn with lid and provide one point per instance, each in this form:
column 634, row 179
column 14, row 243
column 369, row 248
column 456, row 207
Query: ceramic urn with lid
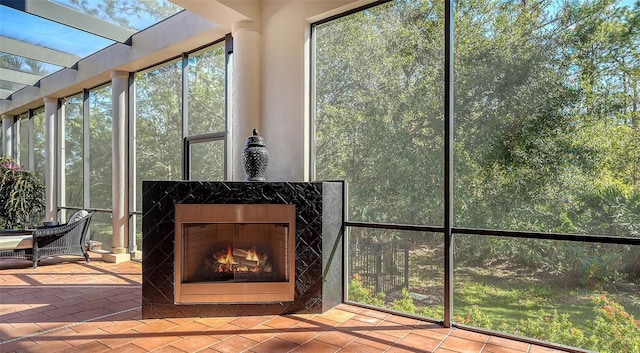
column 255, row 157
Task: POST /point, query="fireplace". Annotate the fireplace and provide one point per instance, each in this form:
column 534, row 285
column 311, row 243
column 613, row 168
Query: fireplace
column 187, row 225
column 234, row 253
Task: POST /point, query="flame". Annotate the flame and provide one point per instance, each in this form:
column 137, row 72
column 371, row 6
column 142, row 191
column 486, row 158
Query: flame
column 229, row 258
column 252, row 255
column 227, row 263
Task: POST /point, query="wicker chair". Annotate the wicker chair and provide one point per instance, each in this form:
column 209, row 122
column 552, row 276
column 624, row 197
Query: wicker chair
column 66, row 239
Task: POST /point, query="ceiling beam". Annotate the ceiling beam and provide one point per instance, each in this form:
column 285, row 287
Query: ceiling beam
column 71, row 17
column 20, row 77
column 5, row 93
column 35, row 52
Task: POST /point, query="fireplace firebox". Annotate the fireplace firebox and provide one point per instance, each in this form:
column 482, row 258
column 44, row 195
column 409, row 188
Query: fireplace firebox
column 230, row 253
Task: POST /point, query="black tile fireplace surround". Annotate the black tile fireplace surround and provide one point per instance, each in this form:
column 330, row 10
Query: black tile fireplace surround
column 318, row 243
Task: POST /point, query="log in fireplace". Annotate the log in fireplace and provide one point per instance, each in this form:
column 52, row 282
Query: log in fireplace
column 241, row 248
column 234, row 253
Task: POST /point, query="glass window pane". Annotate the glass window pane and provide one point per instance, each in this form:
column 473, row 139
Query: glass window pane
column 101, row 229
column 39, row 142
column 572, row 293
column 398, row 270
column 379, row 111
column 100, row 148
column 133, row 14
column 158, row 135
column 73, row 154
column 23, row 125
column 22, row 64
column 207, row 91
column 207, row 160
column 50, row 34
column 544, row 106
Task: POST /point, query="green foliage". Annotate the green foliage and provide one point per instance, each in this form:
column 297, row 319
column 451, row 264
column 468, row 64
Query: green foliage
column 100, row 151
column 474, row 316
column 614, row 210
column 358, row 292
column 613, row 330
column 547, row 127
column 552, row 327
column 405, row 303
column 74, row 152
column 21, row 195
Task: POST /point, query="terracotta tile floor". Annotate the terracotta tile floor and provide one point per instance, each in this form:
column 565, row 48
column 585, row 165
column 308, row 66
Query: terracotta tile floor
column 67, row 305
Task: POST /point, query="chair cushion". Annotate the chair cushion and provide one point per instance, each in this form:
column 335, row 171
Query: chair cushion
column 10, row 242
column 78, row 216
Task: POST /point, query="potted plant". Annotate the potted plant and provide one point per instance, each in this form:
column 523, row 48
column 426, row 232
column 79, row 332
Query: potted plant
column 21, row 195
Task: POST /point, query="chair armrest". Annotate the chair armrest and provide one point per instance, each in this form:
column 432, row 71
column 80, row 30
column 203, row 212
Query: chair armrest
column 48, row 231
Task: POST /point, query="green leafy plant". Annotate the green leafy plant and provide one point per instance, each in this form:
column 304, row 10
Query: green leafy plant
column 552, row 327
column 614, row 329
column 21, row 195
column 405, row 303
column 360, row 293
column 474, row 316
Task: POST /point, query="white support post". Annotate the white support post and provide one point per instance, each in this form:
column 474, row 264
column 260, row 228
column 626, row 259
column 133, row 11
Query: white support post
column 51, row 200
column 120, row 213
column 247, row 78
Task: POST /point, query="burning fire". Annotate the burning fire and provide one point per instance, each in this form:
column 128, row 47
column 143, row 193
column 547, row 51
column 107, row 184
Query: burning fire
column 241, row 260
column 252, row 255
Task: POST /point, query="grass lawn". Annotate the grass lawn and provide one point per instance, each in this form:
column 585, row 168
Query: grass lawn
column 503, row 297
column 506, row 298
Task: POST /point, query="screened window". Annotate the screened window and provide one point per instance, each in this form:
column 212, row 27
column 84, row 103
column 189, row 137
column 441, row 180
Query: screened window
column 72, row 154
column 100, row 163
column 100, row 147
column 158, row 142
column 23, row 127
column 378, row 124
column 206, row 99
column 545, row 143
column 206, row 114
column 545, row 135
column 38, row 142
column 172, row 143
column 379, row 111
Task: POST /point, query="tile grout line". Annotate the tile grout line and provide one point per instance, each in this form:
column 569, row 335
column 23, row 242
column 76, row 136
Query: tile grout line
column 68, row 325
column 442, row 340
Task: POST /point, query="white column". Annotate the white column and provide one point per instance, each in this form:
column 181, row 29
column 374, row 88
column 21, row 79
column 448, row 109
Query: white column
column 120, row 221
column 51, row 201
column 285, row 85
column 7, row 135
column 61, row 157
column 247, row 86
